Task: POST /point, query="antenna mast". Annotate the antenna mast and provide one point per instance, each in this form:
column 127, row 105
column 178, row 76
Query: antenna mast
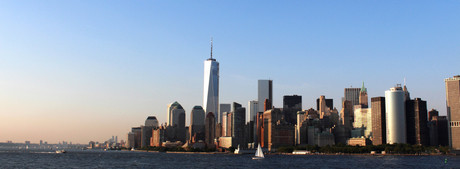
column 211, row 47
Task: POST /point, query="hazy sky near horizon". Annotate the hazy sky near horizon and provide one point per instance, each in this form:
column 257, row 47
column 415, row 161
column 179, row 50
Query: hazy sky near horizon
column 86, row 70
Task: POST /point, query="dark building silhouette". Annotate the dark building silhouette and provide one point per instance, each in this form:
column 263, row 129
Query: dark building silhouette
column 238, row 124
column 378, row 120
column 329, row 103
column 210, row 130
column 431, row 113
column 291, row 105
column 267, row 105
column 416, row 122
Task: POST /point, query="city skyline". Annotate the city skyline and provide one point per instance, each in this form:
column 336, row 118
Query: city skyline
column 87, row 79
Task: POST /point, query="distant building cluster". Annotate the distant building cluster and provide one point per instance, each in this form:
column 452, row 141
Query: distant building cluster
column 389, row 119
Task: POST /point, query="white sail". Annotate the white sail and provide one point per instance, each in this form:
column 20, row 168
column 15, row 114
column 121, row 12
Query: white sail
column 259, row 152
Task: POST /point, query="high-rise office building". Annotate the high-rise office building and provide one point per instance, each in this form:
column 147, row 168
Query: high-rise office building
column 211, row 85
column 431, row 113
column 238, row 123
column 151, row 121
column 346, row 114
column 363, row 101
column 416, row 119
column 323, row 108
column 329, row 103
column 378, row 120
column 265, row 91
column 395, row 115
column 176, row 115
column 197, row 123
column 352, row 94
column 253, row 108
column 210, row 129
column 291, row 105
column 453, row 110
column 223, row 108
column 363, row 120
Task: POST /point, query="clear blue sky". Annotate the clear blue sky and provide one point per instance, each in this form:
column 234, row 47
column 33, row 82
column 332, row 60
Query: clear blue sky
column 86, row 70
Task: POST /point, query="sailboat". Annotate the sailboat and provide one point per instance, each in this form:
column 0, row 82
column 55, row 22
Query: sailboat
column 259, row 154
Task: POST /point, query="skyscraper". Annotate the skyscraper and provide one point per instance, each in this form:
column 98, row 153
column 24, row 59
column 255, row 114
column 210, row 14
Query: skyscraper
column 352, row 94
column 378, row 120
column 363, row 101
column 210, row 129
column 453, row 110
column 291, row 105
column 211, row 85
column 265, row 91
column 197, row 118
column 253, row 107
column 416, row 122
column 222, row 108
column 238, row 121
column 174, row 111
column 329, row 103
column 151, row 121
column 395, row 115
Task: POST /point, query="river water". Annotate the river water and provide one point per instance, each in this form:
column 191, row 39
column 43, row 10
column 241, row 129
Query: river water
column 126, row 159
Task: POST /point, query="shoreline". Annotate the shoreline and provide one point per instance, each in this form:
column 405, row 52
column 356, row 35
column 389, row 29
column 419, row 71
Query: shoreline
column 312, row 154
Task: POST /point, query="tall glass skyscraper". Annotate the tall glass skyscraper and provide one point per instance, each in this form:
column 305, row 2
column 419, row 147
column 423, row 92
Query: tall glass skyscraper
column 265, row 91
column 211, row 85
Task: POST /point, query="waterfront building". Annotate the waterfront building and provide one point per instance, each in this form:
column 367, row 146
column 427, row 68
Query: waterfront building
column 363, row 120
column 238, row 123
column 211, row 85
column 416, row 122
column 438, row 128
column 276, row 131
column 130, row 140
column 352, row 94
column 158, row 137
column 265, row 91
column 137, row 137
column 291, row 105
column 395, row 115
column 210, row 130
column 146, row 134
column 223, row 108
column 442, row 125
column 378, row 120
column 453, row 111
column 197, row 117
column 359, row 142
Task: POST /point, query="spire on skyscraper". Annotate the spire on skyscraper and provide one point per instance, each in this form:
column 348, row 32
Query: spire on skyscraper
column 363, row 89
column 211, row 52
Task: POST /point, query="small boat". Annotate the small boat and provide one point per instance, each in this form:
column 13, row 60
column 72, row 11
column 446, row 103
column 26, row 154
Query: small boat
column 259, row 154
column 60, row 151
column 237, row 151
